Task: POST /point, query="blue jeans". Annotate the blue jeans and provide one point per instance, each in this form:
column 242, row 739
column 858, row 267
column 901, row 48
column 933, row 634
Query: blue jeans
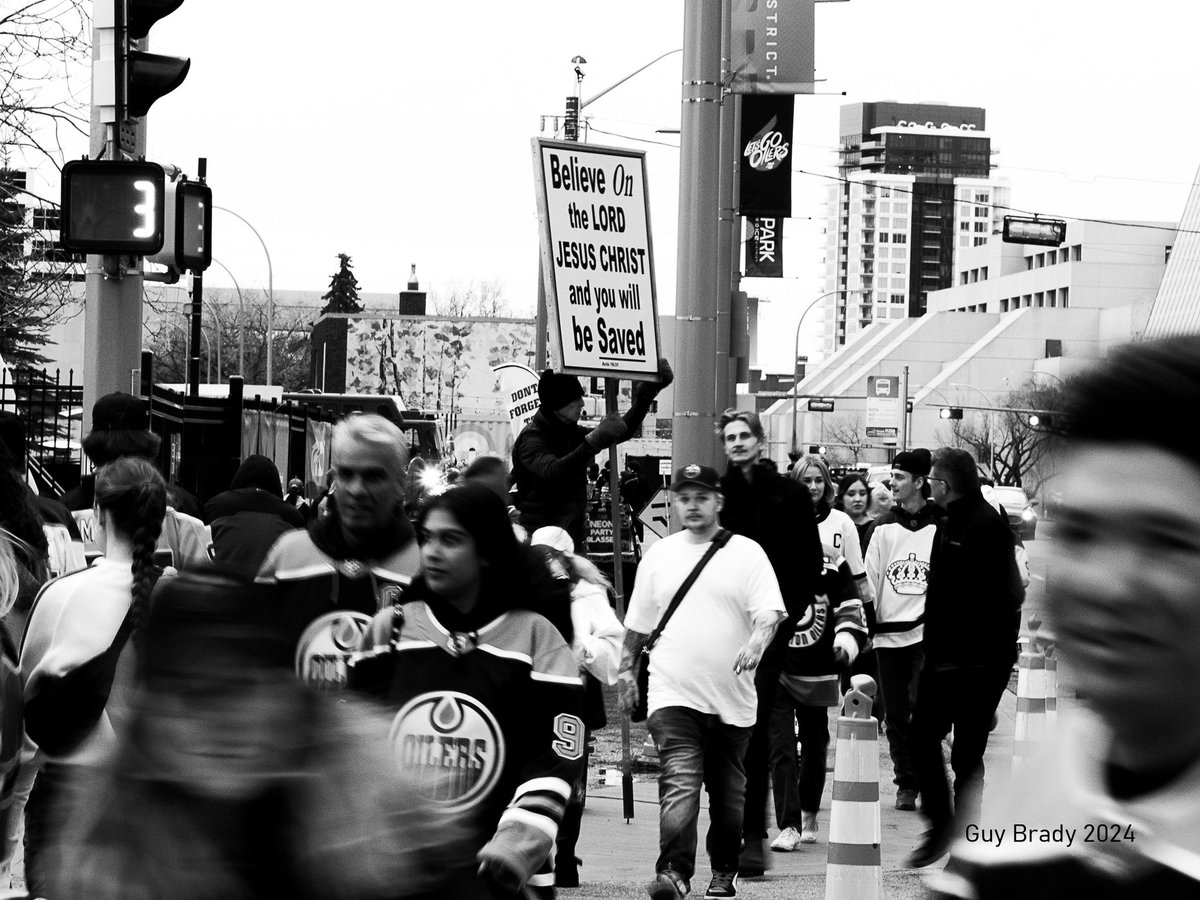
column 695, row 747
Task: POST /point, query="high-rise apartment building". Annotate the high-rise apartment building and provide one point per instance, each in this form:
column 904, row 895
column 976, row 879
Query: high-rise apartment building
column 914, row 187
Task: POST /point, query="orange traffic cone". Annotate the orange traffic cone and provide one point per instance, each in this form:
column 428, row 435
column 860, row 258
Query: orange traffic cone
column 854, row 868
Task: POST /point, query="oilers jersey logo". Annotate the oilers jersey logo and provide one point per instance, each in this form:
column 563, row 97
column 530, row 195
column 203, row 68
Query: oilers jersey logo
column 325, row 646
column 451, row 746
column 811, row 626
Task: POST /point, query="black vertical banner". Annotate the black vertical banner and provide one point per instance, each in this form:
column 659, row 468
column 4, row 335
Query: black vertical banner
column 766, row 149
column 764, row 248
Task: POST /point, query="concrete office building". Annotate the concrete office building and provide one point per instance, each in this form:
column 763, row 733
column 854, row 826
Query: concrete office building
column 915, row 189
column 1016, row 313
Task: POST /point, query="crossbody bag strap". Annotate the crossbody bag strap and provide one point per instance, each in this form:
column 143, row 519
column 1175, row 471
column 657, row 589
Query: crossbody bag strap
column 719, row 541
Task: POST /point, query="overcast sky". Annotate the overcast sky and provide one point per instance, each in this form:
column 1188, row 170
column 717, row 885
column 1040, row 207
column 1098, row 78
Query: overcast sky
column 399, row 132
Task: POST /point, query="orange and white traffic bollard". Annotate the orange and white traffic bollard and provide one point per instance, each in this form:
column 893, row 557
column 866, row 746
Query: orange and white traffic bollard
column 854, row 867
column 1045, row 641
column 1030, row 727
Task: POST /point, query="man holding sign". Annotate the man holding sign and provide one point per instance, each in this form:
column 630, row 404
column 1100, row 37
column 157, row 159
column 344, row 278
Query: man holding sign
column 552, row 453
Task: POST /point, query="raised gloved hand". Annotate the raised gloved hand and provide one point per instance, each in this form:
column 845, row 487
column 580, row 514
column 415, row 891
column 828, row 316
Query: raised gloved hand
column 611, row 430
column 648, row 390
column 845, row 650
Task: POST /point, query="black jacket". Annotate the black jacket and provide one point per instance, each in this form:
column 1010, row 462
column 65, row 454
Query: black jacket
column 245, row 524
column 973, row 604
column 776, row 512
column 550, row 462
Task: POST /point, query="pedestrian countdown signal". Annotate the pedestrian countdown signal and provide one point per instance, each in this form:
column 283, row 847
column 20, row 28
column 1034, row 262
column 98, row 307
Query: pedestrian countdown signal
column 112, row 206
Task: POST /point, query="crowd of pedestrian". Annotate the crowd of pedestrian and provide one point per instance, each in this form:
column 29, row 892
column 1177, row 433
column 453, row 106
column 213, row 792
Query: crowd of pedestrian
column 375, row 695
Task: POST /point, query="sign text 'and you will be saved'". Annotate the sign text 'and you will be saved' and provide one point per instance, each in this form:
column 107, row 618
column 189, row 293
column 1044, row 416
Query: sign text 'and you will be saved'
column 597, row 259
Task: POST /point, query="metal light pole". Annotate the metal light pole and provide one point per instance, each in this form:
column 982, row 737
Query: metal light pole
column 270, row 292
column 241, row 320
column 794, row 454
column 696, row 283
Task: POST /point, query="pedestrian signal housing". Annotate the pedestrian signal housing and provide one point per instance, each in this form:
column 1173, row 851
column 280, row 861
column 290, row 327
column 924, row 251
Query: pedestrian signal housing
column 112, row 206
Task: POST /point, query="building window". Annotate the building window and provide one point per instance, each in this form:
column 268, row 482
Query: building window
column 1063, row 298
column 983, row 198
column 883, row 237
column 899, row 239
column 1028, row 262
column 983, row 273
column 45, row 219
column 899, row 298
column 1077, row 253
column 885, row 192
column 1027, row 301
column 980, row 241
column 962, row 279
column 1052, row 298
column 981, row 227
column 1039, row 299
column 1004, row 305
column 981, row 212
column 1062, row 254
column 901, row 208
column 964, row 225
column 1167, row 254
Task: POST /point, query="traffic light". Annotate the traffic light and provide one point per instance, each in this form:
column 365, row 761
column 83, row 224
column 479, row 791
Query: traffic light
column 125, row 79
column 951, row 412
column 112, row 206
column 187, row 226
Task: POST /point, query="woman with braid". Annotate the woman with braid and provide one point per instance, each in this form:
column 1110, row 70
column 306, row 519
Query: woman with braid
column 78, row 657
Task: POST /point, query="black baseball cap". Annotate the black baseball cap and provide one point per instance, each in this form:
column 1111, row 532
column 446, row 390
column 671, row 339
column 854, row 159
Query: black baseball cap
column 694, row 473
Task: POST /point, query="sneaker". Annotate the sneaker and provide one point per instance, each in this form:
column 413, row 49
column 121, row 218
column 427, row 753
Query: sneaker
column 906, row 799
column 808, row 828
column 788, row 841
column 668, row 885
column 723, row 884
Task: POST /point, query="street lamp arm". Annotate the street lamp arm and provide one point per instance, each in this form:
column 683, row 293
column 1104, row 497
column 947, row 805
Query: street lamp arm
column 959, row 384
column 590, row 100
column 796, row 361
column 241, row 319
column 270, row 289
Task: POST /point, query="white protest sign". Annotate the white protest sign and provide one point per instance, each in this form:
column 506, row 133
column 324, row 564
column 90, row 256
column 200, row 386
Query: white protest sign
column 519, row 384
column 597, row 259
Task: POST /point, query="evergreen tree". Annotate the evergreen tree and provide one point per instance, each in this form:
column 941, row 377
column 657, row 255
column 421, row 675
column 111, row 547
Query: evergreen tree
column 343, row 290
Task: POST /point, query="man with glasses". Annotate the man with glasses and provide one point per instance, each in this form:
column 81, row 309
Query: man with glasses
column 972, row 615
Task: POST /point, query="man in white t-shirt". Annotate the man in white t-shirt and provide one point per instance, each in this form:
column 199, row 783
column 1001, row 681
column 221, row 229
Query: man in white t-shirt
column 701, row 700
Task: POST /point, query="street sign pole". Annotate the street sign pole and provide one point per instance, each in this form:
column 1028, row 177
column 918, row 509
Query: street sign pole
column 614, row 515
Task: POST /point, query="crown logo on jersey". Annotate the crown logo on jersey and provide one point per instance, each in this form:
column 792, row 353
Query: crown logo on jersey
column 908, row 576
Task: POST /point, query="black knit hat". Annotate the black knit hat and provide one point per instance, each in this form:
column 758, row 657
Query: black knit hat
column 915, row 462
column 119, row 412
column 555, row 391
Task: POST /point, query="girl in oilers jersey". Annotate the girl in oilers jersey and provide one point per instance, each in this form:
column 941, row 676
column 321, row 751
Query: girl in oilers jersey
column 486, row 695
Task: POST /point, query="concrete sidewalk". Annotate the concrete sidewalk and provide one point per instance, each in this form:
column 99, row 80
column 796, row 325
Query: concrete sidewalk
column 619, row 855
